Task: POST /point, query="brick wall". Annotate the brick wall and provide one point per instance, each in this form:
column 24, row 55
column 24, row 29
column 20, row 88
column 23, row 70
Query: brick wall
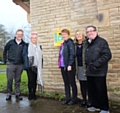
column 50, row 15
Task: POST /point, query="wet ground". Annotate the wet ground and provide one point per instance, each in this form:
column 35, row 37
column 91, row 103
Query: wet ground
column 44, row 106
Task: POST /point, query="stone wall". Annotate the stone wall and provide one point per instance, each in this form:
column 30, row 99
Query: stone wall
column 50, row 15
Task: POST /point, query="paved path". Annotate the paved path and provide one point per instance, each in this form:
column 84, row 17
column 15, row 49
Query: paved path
column 42, row 106
column 2, row 70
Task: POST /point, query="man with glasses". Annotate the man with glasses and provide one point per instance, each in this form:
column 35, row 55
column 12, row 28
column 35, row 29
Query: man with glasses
column 12, row 55
column 97, row 56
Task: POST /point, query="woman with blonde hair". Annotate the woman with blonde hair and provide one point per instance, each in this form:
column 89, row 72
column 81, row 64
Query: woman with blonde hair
column 80, row 54
column 32, row 54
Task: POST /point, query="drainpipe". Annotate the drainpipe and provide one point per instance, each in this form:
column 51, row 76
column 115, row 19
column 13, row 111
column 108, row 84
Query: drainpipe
column 24, row 6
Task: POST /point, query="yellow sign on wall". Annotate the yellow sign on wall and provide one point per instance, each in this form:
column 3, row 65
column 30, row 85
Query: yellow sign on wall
column 58, row 40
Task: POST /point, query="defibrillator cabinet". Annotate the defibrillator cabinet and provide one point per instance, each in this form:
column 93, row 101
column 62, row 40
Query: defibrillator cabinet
column 58, row 40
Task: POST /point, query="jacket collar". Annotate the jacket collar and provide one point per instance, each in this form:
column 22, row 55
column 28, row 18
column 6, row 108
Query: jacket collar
column 69, row 39
column 92, row 40
column 22, row 42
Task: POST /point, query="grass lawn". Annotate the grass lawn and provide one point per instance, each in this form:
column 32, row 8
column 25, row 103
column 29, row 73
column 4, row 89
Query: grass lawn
column 24, row 79
column 24, row 85
column 2, row 66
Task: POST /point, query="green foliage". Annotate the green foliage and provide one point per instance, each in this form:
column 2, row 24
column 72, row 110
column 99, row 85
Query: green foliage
column 24, row 83
column 61, row 96
column 52, row 95
column 3, row 82
column 44, row 94
column 117, row 89
column 1, row 54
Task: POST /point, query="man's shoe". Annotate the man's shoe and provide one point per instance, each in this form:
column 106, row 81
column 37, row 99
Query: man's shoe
column 89, row 105
column 8, row 97
column 83, row 103
column 19, row 97
column 30, row 97
column 72, row 102
column 104, row 111
column 34, row 97
column 93, row 109
column 65, row 102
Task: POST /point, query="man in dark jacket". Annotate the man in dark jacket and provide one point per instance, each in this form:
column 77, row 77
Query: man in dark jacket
column 97, row 56
column 12, row 56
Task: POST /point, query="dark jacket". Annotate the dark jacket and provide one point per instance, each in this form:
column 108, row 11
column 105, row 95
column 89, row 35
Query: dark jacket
column 13, row 52
column 69, row 54
column 83, row 55
column 97, row 56
column 25, row 56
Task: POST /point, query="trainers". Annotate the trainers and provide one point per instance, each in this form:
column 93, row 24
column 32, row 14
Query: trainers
column 104, row 111
column 93, row 109
column 19, row 97
column 8, row 97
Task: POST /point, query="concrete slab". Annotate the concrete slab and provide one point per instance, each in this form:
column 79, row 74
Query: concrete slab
column 42, row 106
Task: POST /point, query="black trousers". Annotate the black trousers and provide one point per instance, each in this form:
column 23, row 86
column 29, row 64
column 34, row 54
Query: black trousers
column 32, row 78
column 84, row 89
column 98, row 92
column 69, row 80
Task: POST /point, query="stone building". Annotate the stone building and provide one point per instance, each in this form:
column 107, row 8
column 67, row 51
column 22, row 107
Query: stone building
column 46, row 16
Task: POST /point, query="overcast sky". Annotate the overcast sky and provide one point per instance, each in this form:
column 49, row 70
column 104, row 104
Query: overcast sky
column 12, row 14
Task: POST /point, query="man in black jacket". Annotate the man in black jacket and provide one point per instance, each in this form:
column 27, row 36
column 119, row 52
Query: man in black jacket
column 97, row 56
column 12, row 56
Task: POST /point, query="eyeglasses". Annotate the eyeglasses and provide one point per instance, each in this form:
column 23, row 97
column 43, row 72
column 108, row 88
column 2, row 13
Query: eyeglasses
column 19, row 34
column 90, row 31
